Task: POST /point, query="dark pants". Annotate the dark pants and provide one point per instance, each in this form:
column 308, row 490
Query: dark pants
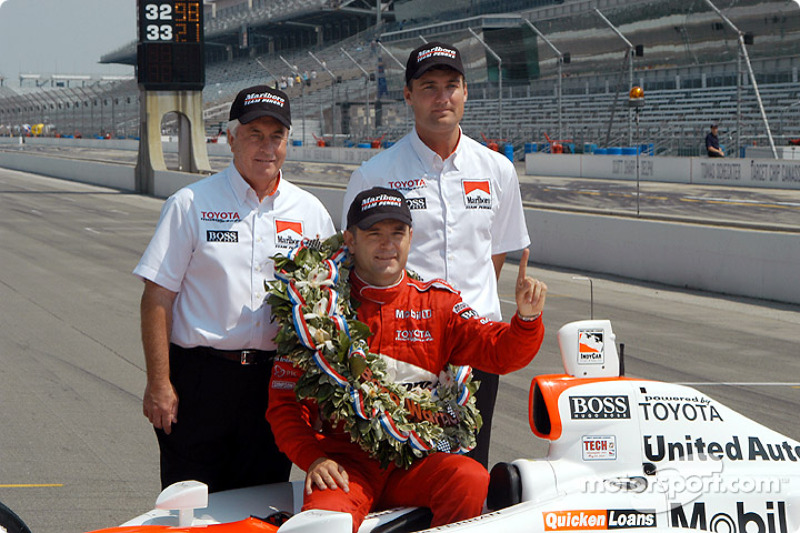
column 222, row 437
column 485, row 399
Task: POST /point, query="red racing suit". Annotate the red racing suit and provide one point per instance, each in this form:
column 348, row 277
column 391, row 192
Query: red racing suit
column 418, row 328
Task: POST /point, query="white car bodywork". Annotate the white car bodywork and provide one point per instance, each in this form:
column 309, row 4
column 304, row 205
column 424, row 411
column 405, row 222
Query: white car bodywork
column 624, row 453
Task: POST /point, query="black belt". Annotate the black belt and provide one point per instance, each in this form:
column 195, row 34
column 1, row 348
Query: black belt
column 243, row 357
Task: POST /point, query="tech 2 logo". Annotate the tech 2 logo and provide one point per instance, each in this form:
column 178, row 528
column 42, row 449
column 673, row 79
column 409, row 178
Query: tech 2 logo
column 599, row 407
column 770, row 518
column 598, row 519
column 477, row 194
column 599, row 448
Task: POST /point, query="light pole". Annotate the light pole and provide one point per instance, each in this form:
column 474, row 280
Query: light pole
column 560, row 62
column 636, row 102
column 499, row 81
column 333, row 97
column 268, row 71
column 630, row 66
column 296, row 72
column 402, row 69
column 743, row 52
column 366, row 84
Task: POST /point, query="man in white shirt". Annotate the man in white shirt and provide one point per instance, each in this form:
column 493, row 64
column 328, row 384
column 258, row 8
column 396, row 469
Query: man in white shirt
column 207, row 331
column 464, row 198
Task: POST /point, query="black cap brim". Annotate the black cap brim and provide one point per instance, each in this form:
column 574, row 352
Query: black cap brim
column 258, row 113
column 371, row 220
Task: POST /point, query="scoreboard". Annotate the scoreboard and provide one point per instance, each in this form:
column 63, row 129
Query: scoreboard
column 170, row 50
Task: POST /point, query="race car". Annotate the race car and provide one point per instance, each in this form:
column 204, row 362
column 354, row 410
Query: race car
column 624, row 453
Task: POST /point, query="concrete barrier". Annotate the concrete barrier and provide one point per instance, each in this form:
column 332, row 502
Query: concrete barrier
column 120, row 177
column 736, row 262
column 768, row 173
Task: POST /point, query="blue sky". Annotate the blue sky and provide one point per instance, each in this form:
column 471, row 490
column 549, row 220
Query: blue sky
column 63, row 36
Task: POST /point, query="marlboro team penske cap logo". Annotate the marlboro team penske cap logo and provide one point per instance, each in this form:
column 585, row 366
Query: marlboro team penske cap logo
column 288, row 233
column 477, row 194
column 266, row 98
column 591, row 347
column 436, row 51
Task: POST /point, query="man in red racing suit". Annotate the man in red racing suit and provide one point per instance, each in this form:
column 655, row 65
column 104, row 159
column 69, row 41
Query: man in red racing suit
column 418, row 328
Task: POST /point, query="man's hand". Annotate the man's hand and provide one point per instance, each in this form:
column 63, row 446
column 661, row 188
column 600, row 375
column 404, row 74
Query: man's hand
column 530, row 293
column 160, row 405
column 326, row 473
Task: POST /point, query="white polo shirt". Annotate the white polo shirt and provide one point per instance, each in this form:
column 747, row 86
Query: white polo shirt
column 465, row 209
column 212, row 246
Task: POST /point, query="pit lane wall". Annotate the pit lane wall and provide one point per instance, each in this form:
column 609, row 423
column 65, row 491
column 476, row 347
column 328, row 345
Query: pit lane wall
column 739, row 262
column 749, row 172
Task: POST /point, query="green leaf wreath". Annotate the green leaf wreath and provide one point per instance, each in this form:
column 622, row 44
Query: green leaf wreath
column 320, row 334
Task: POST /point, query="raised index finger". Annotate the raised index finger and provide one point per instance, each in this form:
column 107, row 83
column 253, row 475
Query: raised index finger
column 523, row 265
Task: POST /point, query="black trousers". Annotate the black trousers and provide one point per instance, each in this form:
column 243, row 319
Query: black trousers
column 222, row 437
column 485, row 399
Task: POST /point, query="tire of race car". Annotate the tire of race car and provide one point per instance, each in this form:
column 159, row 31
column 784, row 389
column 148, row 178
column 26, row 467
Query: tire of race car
column 10, row 522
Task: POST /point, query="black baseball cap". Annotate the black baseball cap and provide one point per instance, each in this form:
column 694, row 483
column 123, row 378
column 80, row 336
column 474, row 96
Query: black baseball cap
column 432, row 54
column 261, row 101
column 376, row 204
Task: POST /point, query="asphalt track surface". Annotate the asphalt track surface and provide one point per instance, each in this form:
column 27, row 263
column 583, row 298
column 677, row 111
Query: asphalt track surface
column 76, row 454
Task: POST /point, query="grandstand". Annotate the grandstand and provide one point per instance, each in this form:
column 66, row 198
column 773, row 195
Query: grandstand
column 686, row 59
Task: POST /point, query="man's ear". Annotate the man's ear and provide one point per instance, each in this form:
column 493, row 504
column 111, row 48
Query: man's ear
column 407, row 93
column 349, row 239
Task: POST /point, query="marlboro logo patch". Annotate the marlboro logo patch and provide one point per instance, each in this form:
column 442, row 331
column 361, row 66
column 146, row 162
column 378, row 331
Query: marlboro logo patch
column 477, row 194
column 288, row 233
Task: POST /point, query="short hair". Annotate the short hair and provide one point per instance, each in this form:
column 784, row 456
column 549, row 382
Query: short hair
column 233, row 125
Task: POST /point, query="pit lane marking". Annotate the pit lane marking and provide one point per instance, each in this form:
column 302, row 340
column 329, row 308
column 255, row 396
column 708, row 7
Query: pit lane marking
column 725, row 201
column 739, row 383
column 30, row 485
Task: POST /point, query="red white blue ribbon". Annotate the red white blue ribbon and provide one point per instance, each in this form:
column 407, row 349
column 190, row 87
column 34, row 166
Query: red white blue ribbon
column 389, row 427
column 358, row 404
column 294, row 294
column 417, row 443
column 462, row 373
column 326, row 367
column 301, row 327
column 463, row 396
column 339, row 255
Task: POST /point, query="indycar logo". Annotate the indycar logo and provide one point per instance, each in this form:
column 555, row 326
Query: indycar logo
column 590, row 347
column 222, row 236
column 598, row 519
column 772, row 520
column 599, row 407
column 288, row 233
column 477, row 194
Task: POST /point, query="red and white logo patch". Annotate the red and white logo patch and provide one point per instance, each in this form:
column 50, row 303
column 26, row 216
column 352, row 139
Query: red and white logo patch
column 591, row 349
column 477, row 194
column 288, row 233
